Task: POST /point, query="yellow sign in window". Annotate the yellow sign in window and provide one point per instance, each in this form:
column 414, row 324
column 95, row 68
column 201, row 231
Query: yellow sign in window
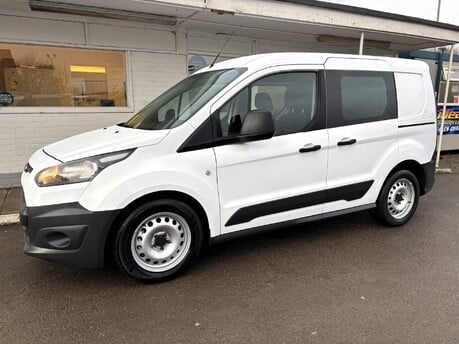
column 87, row 69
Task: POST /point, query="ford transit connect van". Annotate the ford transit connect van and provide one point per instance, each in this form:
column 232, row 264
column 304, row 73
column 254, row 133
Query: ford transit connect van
column 247, row 144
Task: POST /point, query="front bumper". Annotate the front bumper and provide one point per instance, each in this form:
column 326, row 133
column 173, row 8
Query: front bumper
column 66, row 233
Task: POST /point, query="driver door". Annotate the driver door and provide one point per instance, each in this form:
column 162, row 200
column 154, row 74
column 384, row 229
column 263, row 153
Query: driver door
column 281, row 178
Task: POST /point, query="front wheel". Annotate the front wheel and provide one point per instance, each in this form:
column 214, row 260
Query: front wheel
column 398, row 199
column 158, row 240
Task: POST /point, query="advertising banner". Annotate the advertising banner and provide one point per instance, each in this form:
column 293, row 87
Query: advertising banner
column 451, row 119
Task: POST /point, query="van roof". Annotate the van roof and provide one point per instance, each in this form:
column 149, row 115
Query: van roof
column 261, row 61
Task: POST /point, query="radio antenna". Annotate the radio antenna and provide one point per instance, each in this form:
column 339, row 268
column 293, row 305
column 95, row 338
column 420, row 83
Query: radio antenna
column 221, row 50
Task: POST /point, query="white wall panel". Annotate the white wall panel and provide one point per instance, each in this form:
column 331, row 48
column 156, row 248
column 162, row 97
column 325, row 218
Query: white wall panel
column 127, row 37
column 153, row 73
column 41, row 30
column 210, row 44
column 264, row 47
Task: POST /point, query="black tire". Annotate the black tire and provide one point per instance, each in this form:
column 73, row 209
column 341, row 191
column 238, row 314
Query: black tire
column 123, row 249
column 385, row 212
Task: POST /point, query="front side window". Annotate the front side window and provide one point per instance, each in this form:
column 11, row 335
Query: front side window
column 355, row 97
column 183, row 100
column 290, row 97
column 56, row 76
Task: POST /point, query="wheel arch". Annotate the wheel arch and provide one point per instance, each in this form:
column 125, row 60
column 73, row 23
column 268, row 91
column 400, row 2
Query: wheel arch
column 167, row 194
column 414, row 167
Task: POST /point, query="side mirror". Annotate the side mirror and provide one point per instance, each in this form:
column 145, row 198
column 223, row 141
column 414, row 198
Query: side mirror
column 257, row 125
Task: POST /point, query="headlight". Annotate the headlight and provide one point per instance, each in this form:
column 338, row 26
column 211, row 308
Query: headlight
column 78, row 171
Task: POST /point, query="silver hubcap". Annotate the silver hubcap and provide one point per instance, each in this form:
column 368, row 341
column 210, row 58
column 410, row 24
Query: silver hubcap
column 401, row 198
column 161, row 242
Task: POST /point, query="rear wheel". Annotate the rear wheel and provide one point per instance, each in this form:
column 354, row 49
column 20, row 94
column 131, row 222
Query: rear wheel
column 158, row 240
column 398, row 199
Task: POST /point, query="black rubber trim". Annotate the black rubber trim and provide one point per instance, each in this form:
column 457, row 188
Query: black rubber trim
column 347, row 193
column 416, row 124
column 274, row 226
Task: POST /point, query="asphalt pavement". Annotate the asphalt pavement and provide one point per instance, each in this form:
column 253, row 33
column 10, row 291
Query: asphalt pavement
column 343, row 280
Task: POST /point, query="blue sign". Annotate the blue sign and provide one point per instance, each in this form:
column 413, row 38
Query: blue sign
column 451, row 125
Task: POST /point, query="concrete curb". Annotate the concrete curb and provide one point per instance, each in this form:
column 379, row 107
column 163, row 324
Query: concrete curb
column 443, row 171
column 10, row 219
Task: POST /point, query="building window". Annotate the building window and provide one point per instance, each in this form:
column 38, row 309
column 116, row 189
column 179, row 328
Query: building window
column 54, row 76
column 453, row 93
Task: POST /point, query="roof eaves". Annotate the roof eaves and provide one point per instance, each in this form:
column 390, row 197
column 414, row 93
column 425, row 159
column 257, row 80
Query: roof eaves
column 373, row 13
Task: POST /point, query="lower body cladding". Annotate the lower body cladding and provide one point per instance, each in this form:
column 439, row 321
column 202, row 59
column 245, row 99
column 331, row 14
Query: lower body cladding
column 429, row 175
column 66, row 233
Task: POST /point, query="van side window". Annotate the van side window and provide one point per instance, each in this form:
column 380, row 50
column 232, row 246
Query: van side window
column 290, row 97
column 355, row 97
column 233, row 113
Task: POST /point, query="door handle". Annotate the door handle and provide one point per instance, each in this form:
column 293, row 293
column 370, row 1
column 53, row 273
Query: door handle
column 310, row 148
column 346, row 142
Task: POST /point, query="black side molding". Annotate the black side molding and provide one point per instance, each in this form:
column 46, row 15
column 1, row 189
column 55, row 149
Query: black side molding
column 274, row 226
column 348, row 193
column 416, row 124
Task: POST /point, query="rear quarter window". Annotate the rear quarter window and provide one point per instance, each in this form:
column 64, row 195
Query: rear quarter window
column 355, row 97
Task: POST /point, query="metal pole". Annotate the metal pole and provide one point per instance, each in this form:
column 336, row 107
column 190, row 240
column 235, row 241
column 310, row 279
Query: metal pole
column 438, row 10
column 362, row 38
column 445, row 100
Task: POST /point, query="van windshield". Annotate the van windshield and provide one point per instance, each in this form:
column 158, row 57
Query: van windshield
column 183, row 100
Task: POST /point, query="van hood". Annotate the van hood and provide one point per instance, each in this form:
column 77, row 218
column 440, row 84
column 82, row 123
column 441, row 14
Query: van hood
column 100, row 141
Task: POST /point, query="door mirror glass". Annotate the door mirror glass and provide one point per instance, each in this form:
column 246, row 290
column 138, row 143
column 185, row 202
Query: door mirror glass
column 257, row 125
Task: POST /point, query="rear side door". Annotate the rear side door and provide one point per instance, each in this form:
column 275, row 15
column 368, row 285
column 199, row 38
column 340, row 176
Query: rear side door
column 281, row 178
column 362, row 127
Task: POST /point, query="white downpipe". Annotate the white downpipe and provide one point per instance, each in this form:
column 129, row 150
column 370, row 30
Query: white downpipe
column 362, row 38
column 445, row 99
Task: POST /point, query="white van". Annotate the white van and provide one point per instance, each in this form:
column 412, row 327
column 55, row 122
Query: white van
column 245, row 145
